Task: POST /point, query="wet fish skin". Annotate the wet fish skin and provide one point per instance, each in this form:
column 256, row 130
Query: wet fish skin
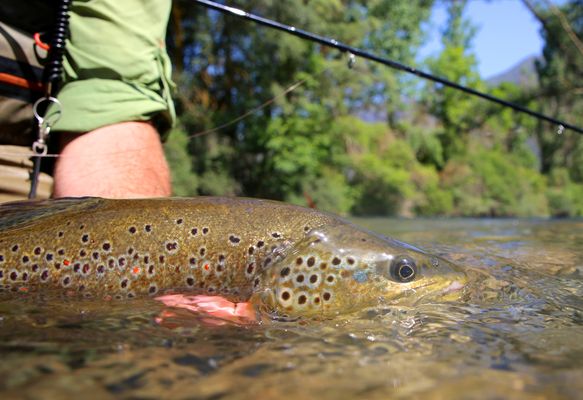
column 242, row 249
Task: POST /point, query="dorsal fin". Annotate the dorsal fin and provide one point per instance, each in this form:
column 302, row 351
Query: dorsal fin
column 20, row 213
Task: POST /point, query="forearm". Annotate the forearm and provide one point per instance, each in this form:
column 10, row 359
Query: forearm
column 123, row 160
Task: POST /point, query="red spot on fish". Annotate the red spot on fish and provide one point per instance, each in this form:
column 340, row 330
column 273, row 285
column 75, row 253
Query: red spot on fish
column 206, row 267
column 136, row 270
column 66, row 262
column 23, row 289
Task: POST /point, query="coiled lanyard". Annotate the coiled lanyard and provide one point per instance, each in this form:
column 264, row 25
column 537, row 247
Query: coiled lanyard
column 51, row 80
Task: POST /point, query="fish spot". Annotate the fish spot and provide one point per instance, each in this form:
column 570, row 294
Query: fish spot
column 285, row 295
column 256, row 282
column 336, row 261
column 311, row 261
column 25, row 259
column 306, row 228
column 276, row 235
column 124, row 283
column 220, row 268
column 76, row 267
column 153, row 289
column 148, row 228
column 81, row 287
column 111, row 262
column 61, row 252
column 81, row 227
column 205, row 230
column 132, row 229
column 15, row 248
column 44, row 276
column 100, row 269
column 66, row 281
column 194, row 231
column 251, row 250
column 37, row 251
column 222, row 258
column 234, row 240
column 151, row 269
column 49, row 257
column 161, row 259
column 190, row 281
column 25, row 276
column 300, row 278
column 260, row 244
column 57, row 266
column 146, row 259
column 330, row 279
column 35, row 268
column 202, row 251
column 302, row 299
column 1, row 258
column 1, row 274
column 250, row 268
column 85, row 238
column 350, row 260
column 106, row 246
column 86, row 269
column 299, row 261
column 171, row 247
column 130, row 250
column 121, row 263
column 82, row 253
column 179, row 221
column 192, row 261
column 316, row 300
column 285, row 272
column 131, row 295
column 327, row 296
column 314, row 279
column 267, row 261
column 61, row 234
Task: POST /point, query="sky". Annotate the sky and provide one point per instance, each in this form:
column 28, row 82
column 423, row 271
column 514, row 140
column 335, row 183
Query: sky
column 507, row 33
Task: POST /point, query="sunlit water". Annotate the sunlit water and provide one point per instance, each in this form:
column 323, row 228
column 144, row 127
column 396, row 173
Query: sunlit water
column 517, row 333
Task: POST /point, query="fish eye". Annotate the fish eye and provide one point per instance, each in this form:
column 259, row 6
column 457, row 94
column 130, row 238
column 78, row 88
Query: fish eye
column 403, row 269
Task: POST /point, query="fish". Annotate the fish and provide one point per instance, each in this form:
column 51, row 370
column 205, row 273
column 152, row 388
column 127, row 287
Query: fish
column 286, row 260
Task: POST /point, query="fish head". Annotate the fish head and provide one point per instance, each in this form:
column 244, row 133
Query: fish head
column 341, row 268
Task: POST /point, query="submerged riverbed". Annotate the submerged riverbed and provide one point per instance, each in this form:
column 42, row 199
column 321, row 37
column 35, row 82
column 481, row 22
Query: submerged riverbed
column 516, row 333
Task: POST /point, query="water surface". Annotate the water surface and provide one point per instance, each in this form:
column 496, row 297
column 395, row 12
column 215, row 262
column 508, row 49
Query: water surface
column 516, row 333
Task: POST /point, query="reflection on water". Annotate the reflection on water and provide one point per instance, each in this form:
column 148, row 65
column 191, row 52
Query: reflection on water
column 517, row 333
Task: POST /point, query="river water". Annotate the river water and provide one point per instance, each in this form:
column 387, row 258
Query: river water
column 517, row 332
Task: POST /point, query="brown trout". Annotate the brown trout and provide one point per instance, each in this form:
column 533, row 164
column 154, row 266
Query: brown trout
column 286, row 260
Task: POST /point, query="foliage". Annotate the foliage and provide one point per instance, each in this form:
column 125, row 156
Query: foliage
column 369, row 140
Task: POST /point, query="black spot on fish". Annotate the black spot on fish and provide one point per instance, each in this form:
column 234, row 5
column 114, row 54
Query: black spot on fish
column 57, row 265
column 132, row 229
column 202, row 251
column 82, row 253
column 61, row 252
column 81, row 287
column 148, row 228
column 37, row 251
column 336, row 261
column 330, row 278
column 121, row 262
column 220, row 268
column 130, row 250
column 250, row 268
column 151, row 269
column 25, row 276
column 171, row 247
column 190, row 281
column 205, row 230
column 313, row 278
column 86, row 269
column 131, row 295
column 350, row 260
column 267, row 261
column 49, row 257
column 326, row 296
column 61, row 234
column 260, row 244
column 285, row 272
column 1, row 273
column 136, row 256
column 106, row 246
column 299, row 261
column 81, row 227
column 306, row 228
column 300, row 278
column 13, row 275
column 95, row 255
column 302, row 299
column 101, row 269
column 251, row 250
column 66, row 281
column 1, row 258
column 194, row 231
column 124, row 283
column 35, row 267
column 192, row 261
column 76, row 267
column 221, row 258
column 85, row 238
column 285, row 295
column 311, row 261
column 146, row 259
column 44, row 275
column 179, row 221
column 25, row 259
column 161, row 258
column 234, row 239
column 111, row 263
column 276, row 235
column 256, row 282
column 14, row 248
column 152, row 289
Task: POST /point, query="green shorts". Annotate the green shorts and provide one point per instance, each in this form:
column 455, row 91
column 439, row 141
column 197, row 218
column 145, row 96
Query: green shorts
column 116, row 68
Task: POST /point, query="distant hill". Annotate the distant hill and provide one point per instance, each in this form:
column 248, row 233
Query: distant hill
column 522, row 74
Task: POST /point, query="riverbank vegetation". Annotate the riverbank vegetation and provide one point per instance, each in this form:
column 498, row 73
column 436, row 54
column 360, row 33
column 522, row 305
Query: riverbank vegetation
column 368, row 140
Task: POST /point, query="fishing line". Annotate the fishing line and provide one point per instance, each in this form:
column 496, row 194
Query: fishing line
column 385, row 61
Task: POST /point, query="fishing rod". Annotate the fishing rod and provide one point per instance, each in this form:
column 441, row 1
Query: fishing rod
column 354, row 51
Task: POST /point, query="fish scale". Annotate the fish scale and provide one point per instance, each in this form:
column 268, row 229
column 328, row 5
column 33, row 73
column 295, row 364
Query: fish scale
column 286, row 259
